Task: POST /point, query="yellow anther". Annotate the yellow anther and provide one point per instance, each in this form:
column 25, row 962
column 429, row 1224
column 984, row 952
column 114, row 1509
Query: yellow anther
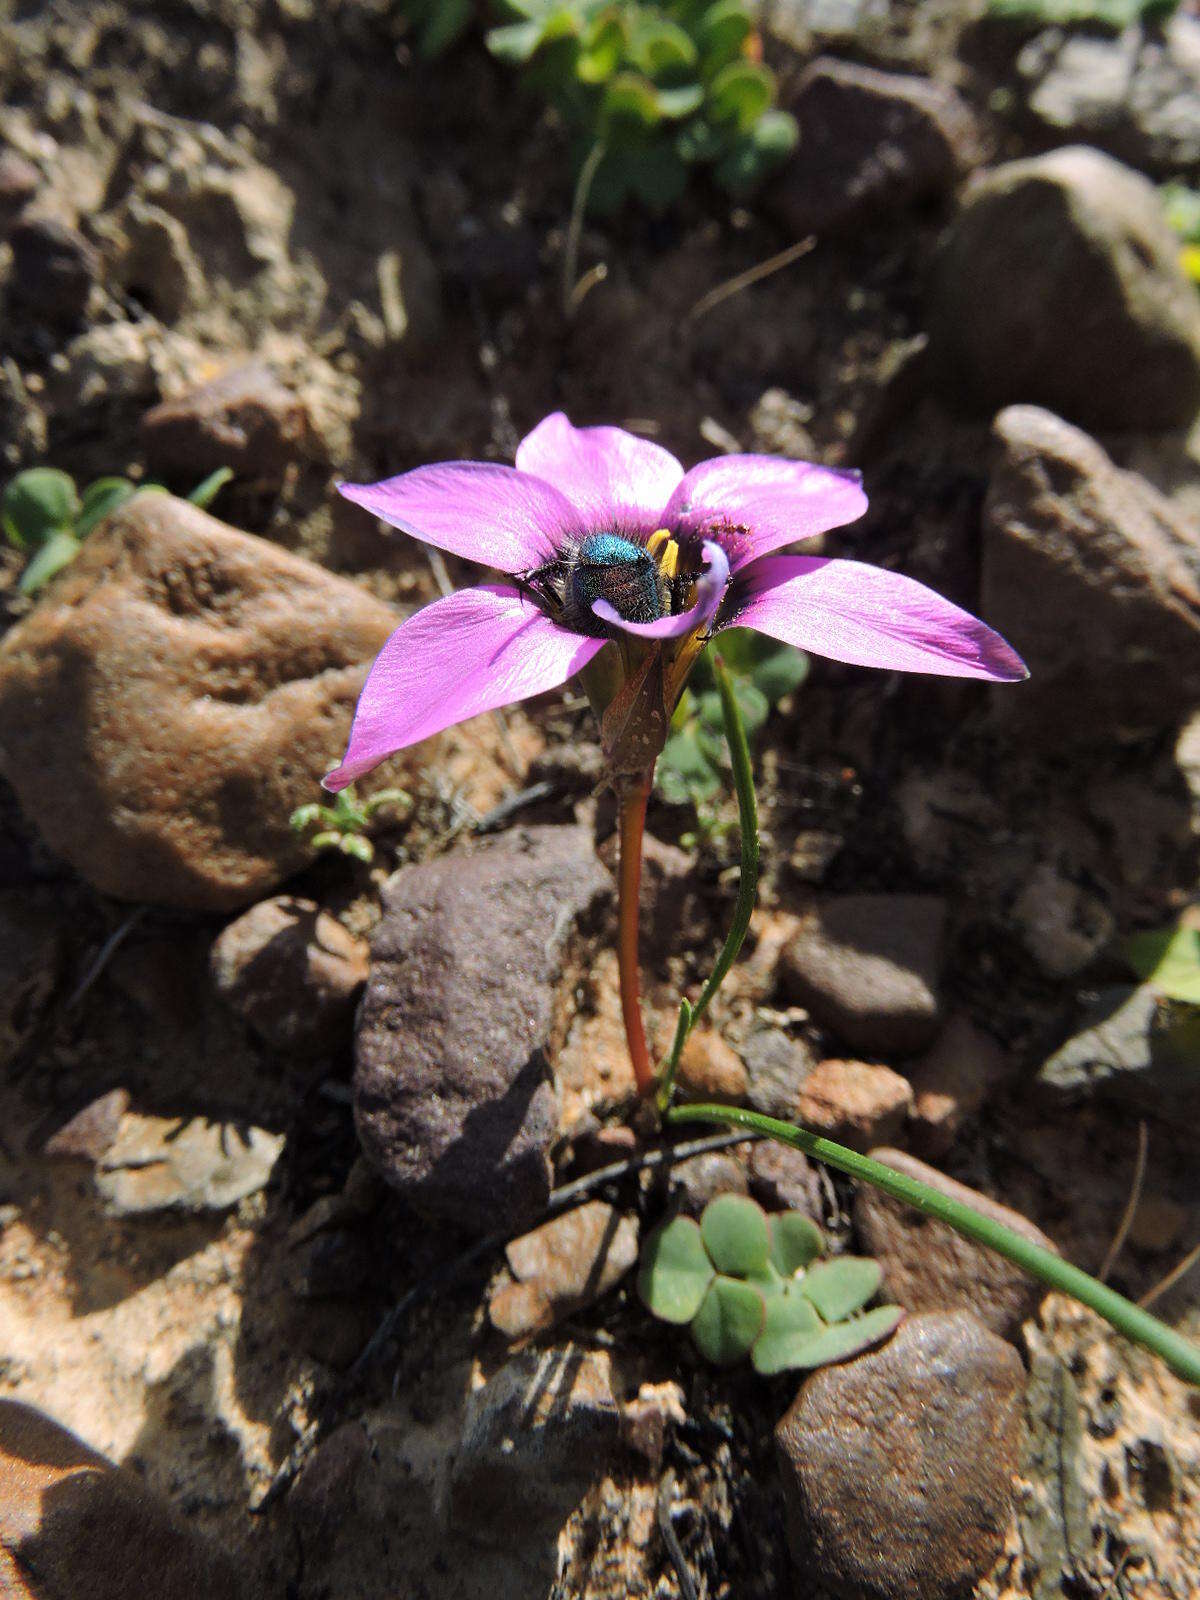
column 665, row 551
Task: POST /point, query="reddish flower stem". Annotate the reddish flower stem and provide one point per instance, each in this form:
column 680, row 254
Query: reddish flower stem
column 633, row 798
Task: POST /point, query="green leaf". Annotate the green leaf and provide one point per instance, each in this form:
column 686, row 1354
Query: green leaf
column 445, row 23
column 783, row 671
column 752, row 704
column 795, row 1241
column 723, row 30
column 602, row 50
column 740, row 93
column 631, row 98
column 100, row 500
column 56, row 552
column 840, row 1288
column 36, row 503
column 729, row 1320
column 786, row 1353
column 1169, row 960
column 700, row 142
column 515, row 42
column 353, row 844
column 757, row 152
column 681, row 102
column 675, row 1272
column 206, row 492
column 734, row 1230
column 659, row 46
column 789, row 1317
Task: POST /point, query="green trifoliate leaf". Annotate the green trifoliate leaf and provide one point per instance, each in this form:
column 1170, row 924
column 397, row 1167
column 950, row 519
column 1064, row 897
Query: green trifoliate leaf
column 734, row 1230
column 839, row 1288
column 37, row 503
column 752, row 703
column 100, row 500
column 1169, row 960
column 783, row 671
column 658, row 46
column 630, row 97
column 740, row 93
column 786, row 1352
column 795, row 1241
column 729, row 1320
column 676, row 1272
column 56, row 552
column 724, row 29
column 789, row 1318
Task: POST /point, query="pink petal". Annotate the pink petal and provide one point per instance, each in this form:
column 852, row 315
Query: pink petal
column 872, row 618
column 482, row 510
column 619, row 482
column 710, row 591
column 764, row 502
column 471, row 652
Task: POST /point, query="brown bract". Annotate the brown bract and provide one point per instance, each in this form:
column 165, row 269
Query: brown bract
column 177, row 693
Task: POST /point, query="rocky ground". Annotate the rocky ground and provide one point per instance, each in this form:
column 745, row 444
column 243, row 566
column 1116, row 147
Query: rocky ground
column 326, row 1315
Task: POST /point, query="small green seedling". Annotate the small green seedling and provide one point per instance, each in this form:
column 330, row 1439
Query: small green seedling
column 692, row 769
column 42, row 512
column 749, row 1284
column 1182, row 206
column 342, row 826
column 1169, row 961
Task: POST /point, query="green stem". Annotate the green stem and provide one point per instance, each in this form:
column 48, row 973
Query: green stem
column 1180, row 1354
column 743, row 783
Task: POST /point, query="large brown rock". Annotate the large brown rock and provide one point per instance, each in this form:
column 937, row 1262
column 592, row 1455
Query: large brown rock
column 71, row 1525
column 462, row 1013
column 870, row 143
column 1060, row 283
column 897, row 1467
column 177, row 693
column 927, row 1266
column 1095, row 577
column 868, row 967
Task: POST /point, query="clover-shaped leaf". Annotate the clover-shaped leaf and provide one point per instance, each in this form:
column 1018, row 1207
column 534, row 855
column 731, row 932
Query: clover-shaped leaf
column 790, row 1317
column 37, row 503
column 676, row 1272
column 840, row 1288
column 786, row 1352
column 795, row 1240
column 734, row 1230
column 729, row 1320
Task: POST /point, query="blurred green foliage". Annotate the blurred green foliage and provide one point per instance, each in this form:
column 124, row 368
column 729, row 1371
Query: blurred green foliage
column 661, row 89
column 692, row 769
column 1169, row 960
column 43, row 513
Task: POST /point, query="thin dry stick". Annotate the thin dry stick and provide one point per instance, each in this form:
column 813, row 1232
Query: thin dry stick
column 107, row 950
column 570, row 298
column 752, row 275
column 1131, row 1205
column 666, row 1492
column 1172, row 1278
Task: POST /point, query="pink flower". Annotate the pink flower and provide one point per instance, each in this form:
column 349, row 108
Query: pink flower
column 609, row 540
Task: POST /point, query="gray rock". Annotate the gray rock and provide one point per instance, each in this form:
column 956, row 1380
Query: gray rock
column 776, row 1066
column 1068, row 535
column 292, row 972
column 870, row 143
column 53, row 269
column 160, row 1164
column 1059, row 283
column 1134, row 94
column 927, row 1266
column 897, row 1467
column 451, row 1090
column 950, row 1084
column 174, row 696
column 1134, row 1048
column 868, row 968
column 534, row 1437
column 1062, row 925
column 699, row 1179
column 783, row 1179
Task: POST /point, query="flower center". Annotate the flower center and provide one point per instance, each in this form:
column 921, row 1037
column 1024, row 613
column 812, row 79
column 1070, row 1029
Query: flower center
column 615, row 569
